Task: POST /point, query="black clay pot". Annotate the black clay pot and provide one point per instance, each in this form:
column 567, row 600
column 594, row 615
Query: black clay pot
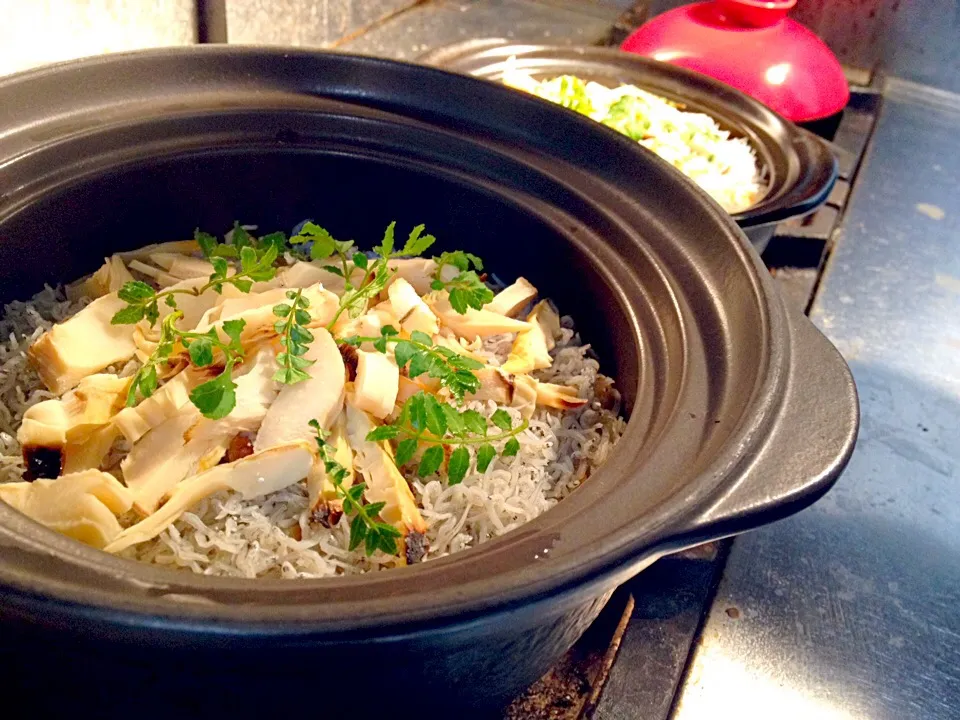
column 740, row 411
column 799, row 168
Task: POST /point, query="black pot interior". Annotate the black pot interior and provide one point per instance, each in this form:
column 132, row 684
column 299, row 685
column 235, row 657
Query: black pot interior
column 797, row 168
column 657, row 279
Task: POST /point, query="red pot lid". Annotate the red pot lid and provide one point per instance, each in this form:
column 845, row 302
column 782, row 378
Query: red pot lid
column 753, row 46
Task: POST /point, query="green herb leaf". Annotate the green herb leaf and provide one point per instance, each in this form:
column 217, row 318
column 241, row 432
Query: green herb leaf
column 233, row 329
column 240, row 237
column 294, row 361
column 485, row 455
column 431, row 461
column 384, row 432
column 403, row 351
column 459, row 259
column 458, row 466
column 474, row 422
column 462, row 362
column 436, row 420
column 360, row 260
column 385, row 248
column 277, row 240
column 206, row 241
column 374, row 508
column 294, row 338
column 301, row 316
column 220, row 268
column 417, row 243
column 144, row 381
column 419, row 364
column 467, row 290
column 406, row 449
column 290, row 375
column 388, row 536
column 248, row 258
column 455, row 423
column 511, row 448
column 323, row 242
column 226, row 251
column 301, row 335
column 421, row 337
column 135, row 291
column 501, row 418
column 216, row 398
column 358, row 531
column 129, row 315
column 418, row 411
column 200, row 351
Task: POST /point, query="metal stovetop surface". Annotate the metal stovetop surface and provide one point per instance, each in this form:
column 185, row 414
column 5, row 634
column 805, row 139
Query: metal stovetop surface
column 850, row 608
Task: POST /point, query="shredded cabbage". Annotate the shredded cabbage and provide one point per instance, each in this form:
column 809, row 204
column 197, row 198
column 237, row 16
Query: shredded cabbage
column 726, row 168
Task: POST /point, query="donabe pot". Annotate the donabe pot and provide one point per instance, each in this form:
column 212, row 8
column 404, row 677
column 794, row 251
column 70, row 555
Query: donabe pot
column 740, row 411
column 798, row 168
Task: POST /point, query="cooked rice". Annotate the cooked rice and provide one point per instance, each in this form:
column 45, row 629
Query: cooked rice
column 272, row 536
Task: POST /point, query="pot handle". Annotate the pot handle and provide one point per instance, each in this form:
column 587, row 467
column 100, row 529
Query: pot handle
column 814, row 436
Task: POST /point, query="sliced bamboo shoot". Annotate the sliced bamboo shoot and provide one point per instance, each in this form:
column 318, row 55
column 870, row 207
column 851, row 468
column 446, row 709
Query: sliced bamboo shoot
column 255, row 475
column 384, row 481
column 473, row 323
column 410, row 309
column 184, row 267
column 512, row 299
column 320, row 398
column 303, row 274
column 135, row 422
column 545, row 314
column 377, row 383
column 531, row 348
column 80, row 505
column 82, row 345
column 109, row 278
column 89, row 453
column 181, row 247
column 562, row 397
column 320, row 488
column 187, row 442
column 74, row 417
column 260, row 319
column 160, row 277
column 418, row 272
column 524, row 395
